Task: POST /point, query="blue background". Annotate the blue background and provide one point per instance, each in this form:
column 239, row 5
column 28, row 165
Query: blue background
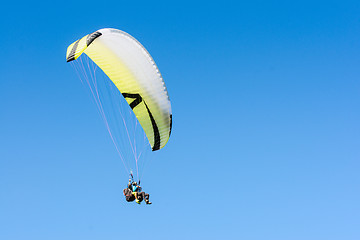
column 265, row 141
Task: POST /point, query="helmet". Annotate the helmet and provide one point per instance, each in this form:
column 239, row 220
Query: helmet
column 134, row 183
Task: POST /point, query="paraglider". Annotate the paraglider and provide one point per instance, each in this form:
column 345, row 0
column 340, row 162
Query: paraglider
column 134, row 192
column 132, row 73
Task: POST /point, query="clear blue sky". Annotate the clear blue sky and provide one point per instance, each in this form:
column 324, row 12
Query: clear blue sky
column 265, row 141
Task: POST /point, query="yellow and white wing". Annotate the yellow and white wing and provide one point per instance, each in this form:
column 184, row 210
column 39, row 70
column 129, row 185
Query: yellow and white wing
column 133, row 71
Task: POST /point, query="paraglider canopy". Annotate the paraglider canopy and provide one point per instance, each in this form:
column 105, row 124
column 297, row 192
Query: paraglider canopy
column 134, row 73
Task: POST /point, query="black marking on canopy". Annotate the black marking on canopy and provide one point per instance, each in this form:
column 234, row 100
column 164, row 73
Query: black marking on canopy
column 71, row 56
column 156, row 130
column 91, row 37
column 133, row 104
column 170, row 124
column 138, row 99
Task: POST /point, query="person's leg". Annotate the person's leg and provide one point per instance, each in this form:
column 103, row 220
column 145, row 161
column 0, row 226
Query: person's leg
column 143, row 196
column 140, row 196
column 136, row 195
column 146, row 197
